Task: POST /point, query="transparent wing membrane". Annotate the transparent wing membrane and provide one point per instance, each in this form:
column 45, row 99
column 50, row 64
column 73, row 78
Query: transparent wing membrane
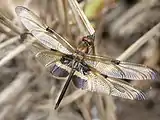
column 50, row 41
column 37, row 47
column 29, row 19
column 46, row 57
column 51, row 60
column 95, row 82
column 124, row 90
column 123, row 70
column 42, row 32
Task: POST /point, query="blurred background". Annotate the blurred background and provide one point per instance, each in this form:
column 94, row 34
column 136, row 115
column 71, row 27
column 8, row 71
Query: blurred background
column 28, row 91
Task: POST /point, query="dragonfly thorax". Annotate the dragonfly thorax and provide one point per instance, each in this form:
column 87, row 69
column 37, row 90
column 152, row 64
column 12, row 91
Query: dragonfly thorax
column 83, row 47
column 68, row 59
column 76, row 63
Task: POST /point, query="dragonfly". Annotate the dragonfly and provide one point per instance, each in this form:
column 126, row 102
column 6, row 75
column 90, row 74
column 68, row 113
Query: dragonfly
column 88, row 72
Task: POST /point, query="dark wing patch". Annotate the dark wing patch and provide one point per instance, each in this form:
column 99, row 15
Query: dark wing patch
column 52, row 61
column 95, row 82
column 60, row 70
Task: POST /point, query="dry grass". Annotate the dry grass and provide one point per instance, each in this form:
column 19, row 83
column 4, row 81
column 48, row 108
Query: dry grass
column 29, row 92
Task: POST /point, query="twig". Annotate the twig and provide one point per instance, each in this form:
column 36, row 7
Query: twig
column 84, row 111
column 131, row 13
column 100, row 107
column 15, row 88
column 6, row 30
column 74, row 96
column 79, row 13
column 5, row 111
column 60, row 11
column 9, row 24
column 9, row 41
column 14, row 53
column 110, row 109
column 21, row 102
column 139, row 43
column 27, row 3
column 66, row 18
column 11, row 7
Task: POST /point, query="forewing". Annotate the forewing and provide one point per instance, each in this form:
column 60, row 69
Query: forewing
column 97, row 83
column 39, row 30
column 50, row 41
column 29, row 19
column 122, row 70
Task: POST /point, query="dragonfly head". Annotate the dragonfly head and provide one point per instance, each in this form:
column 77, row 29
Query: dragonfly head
column 86, row 43
column 89, row 39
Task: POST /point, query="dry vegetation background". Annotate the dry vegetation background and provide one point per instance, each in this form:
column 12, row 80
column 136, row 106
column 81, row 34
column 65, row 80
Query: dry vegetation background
column 29, row 92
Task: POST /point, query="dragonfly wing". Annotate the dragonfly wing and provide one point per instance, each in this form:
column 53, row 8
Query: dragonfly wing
column 123, row 70
column 97, row 83
column 47, row 57
column 49, row 38
column 37, row 47
column 91, row 82
column 60, row 70
column 50, row 41
column 29, row 19
column 125, row 90
column 52, row 60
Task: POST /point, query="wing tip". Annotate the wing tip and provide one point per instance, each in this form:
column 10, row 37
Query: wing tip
column 155, row 75
column 141, row 96
column 19, row 9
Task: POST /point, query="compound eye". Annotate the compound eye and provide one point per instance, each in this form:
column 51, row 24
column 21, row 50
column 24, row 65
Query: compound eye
column 66, row 61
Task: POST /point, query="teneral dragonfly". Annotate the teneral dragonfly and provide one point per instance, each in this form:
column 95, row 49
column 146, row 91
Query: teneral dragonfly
column 88, row 72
